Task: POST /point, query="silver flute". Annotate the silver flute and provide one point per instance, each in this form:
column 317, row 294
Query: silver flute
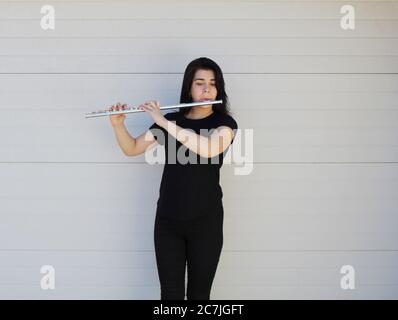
column 136, row 109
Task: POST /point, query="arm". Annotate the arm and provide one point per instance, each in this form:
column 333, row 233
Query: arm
column 206, row 147
column 133, row 146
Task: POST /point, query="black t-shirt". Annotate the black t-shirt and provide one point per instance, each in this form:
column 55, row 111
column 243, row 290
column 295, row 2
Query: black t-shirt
column 190, row 183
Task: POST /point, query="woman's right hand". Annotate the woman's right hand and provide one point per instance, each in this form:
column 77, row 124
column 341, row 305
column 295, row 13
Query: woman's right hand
column 117, row 119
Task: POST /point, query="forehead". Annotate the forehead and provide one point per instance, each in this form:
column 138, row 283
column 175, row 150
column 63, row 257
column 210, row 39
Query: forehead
column 204, row 75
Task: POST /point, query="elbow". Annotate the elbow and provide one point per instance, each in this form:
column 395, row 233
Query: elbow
column 131, row 151
column 212, row 155
column 207, row 156
column 211, row 152
column 129, row 154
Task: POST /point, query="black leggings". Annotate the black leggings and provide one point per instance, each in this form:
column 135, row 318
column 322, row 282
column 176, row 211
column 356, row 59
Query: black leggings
column 198, row 243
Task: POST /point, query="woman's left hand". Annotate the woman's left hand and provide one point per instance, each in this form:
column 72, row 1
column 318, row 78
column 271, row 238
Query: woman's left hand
column 153, row 108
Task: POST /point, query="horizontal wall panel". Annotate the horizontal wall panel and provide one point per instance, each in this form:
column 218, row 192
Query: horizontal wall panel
column 101, row 48
column 130, row 30
column 246, row 91
column 218, row 292
column 277, row 136
column 172, row 63
column 200, row 10
column 101, row 277
column 315, row 292
column 25, row 292
column 81, row 90
column 269, row 272
column 335, row 185
column 141, row 277
column 265, row 279
column 363, row 276
column 84, row 274
column 300, row 260
column 288, row 122
column 259, row 222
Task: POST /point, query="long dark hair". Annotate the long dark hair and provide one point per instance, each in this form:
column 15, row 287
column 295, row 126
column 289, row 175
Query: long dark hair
column 204, row 63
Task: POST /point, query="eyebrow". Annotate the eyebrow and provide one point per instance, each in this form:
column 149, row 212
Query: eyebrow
column 203, row 79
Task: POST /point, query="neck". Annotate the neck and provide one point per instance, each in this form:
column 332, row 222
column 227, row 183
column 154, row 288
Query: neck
column 199, row 112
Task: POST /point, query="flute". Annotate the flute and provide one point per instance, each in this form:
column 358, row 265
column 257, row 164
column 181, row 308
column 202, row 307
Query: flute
column 136, row 109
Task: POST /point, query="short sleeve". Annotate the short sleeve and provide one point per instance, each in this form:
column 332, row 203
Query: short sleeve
column 160, row 133
column 228, row 121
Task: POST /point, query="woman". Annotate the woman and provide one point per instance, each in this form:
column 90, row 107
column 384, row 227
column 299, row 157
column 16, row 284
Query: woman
column 189, row 216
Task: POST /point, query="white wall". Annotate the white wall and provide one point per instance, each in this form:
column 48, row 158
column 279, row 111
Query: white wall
column 323, row 105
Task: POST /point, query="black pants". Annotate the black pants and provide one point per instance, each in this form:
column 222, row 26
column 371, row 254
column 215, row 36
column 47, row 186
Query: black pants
column 198, row 244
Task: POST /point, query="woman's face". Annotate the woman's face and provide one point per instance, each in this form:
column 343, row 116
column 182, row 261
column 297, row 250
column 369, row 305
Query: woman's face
column 204, row 86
